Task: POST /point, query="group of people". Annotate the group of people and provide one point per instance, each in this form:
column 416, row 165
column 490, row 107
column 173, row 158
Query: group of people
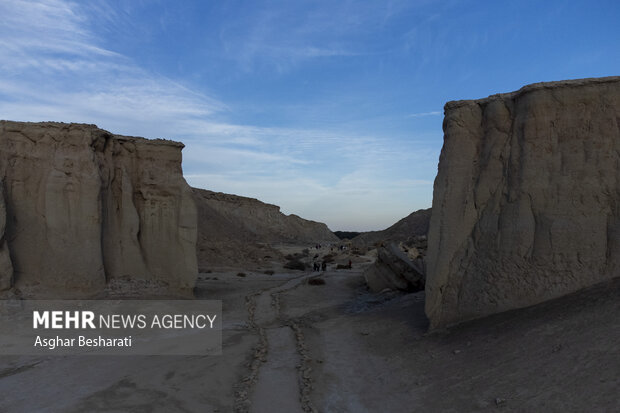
column 318, row 265
column 331, row 247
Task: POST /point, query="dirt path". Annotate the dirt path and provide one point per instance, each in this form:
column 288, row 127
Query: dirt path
column 278, row 380
column 293, row 346
column 277, row 388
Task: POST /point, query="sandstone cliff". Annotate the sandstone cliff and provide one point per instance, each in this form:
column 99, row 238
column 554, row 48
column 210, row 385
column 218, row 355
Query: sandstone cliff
column 526, row 203
column 234, row 229
column 85, row 208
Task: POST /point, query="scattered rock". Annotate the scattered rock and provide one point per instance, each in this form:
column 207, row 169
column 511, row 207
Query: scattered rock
column 394, row 270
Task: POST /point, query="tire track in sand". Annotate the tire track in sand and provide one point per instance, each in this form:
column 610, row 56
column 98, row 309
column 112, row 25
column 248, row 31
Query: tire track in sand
column 278, row 380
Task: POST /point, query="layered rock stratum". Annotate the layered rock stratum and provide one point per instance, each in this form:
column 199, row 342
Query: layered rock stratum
column 234, row 230
column 526, row 203
column 82, row 209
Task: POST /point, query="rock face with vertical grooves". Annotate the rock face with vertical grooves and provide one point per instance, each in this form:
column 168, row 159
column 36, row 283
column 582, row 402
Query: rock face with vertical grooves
column 526, row 203
column 85, row 208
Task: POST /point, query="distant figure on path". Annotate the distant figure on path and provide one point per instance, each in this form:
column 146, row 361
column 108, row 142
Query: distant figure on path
column 350, row 264
column 324, row 266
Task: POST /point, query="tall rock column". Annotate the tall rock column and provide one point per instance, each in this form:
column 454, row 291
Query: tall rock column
column 526, row 203
column 149, row 218
column 53, row 213
column 84, row 207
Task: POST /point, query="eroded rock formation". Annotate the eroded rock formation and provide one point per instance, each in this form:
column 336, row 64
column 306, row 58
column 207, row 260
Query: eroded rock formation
column 86, row 208
column 526, row 203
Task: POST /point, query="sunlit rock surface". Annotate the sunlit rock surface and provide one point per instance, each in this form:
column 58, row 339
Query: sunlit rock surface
column 86, row 208
column 526, row 203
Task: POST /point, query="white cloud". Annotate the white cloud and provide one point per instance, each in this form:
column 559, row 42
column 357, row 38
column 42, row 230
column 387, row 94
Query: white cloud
column 53, row 67
column 424, row 114
column 285, row 37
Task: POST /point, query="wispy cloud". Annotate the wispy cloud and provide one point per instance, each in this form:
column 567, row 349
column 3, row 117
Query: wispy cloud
column 54, row 66
column 285, row 37
column 425, row 114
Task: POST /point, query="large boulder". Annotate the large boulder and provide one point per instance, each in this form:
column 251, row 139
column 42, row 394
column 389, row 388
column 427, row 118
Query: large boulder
column 394, row 269
column 526, row 203
column 85, row 208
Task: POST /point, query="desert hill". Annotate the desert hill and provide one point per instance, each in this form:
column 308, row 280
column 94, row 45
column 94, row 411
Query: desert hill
column 234, row 230
column 413, row 225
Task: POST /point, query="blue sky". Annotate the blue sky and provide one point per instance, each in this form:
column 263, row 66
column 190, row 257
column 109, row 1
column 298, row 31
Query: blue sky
column 330, row 109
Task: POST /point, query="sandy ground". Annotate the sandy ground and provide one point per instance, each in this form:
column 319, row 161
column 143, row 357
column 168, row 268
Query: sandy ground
column 290, row 346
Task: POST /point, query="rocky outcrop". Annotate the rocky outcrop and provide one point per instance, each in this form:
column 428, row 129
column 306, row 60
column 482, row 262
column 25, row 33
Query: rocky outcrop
column 395, row 269
column 234, row 229
column 526, row 203
column 86, row 208
column 401, row 249
column 405, row 230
